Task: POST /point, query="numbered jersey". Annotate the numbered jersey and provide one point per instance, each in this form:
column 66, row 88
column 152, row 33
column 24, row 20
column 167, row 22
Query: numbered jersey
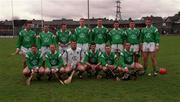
column 73, row 56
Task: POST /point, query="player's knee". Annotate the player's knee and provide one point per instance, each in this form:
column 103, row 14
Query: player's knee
column 47, row 71
column 41, row 71
column 53, row 71
column 120, row 70
column 62, row 70
column 104, row 68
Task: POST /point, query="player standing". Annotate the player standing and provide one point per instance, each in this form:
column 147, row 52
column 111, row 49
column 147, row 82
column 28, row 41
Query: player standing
column 99, row 35
column 26, row 39
column 63, row 36
column 82, row 36
column 133, row 37
column 117, row 37
column 150, row 38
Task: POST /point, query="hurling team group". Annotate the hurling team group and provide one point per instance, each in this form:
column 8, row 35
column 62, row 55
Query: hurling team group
column 99, row 52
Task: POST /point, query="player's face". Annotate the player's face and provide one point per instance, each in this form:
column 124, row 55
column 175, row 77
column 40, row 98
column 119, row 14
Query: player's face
column 52, row 48
column 81, row 22
column 46, row 28
column 28, row 26
column 73, row 45
column 93, row 47
column 99, row 23
column 34, row 49
column 127, row 46
column 108, row 49
column 131, row 24
column 148, row 23
column 116, row 25
column 64, row 27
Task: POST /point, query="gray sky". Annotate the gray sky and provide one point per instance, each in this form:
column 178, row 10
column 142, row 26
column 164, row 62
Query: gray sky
column 57, row 9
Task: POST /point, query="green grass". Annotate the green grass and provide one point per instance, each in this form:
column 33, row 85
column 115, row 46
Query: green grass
column 163, row 88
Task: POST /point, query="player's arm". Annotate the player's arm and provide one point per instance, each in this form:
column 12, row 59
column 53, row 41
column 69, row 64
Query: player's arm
column 48, row 64
column 102, row 60
column 106, row 35
column 61, row 61
column 28, row 61
column 141, row 38
column 122, row 61
column 19, row 42
column 34, row 37
column 40, row 61
column 93, row 34
column 157, row 38
column 38, row 41
column 124, row 36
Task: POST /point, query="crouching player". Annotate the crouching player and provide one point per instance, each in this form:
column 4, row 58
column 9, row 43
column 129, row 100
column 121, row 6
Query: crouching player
column 34, row 63
column 54, row 63
column 73, row 59
column 128, row 63
column 108, row 62
column 91, row 60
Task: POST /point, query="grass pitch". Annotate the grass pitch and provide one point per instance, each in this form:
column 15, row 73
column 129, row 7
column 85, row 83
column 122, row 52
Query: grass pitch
column 163, row 88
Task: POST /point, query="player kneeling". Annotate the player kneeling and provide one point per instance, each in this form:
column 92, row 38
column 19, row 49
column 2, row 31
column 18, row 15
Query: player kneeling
column 130, row 66
column 73, row 58
column 91, row 60
column 108, row 62
column 34, row 63
column 54, row 63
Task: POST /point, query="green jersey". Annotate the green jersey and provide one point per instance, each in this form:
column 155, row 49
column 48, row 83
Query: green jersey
column 26, row 38
column 126, row 58
column 45, row 39
column 108, row 59
column 133, row 36
column 92, row 57
column 54, row 60
column 82, row 35
column 99, row 35
column 33, row 60
column 116, row 36
column 150, row 34
column 63, row 37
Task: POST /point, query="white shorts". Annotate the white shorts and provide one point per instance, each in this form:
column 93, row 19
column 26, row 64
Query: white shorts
column 100, row 47
column 130, row 65
column 24, row 50
column 135, row 47
column 44, row 51
column 84, row 47
column 148, row 47
column 117, row 47
column 63, row 48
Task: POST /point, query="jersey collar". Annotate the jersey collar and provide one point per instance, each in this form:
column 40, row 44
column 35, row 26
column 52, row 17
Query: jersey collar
column 82, row 27
column 101, row 27
column 116, row 29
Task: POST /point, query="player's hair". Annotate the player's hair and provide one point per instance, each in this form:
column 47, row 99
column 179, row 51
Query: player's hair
column 116, row 21
column 131, row 21
column 82, row 19
column 93, row 43
column 73, row 40
column 99, row 19
column 149, row 19
column 27, row 22
column 108, row 45
column 34, row 45
column 63, row 24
